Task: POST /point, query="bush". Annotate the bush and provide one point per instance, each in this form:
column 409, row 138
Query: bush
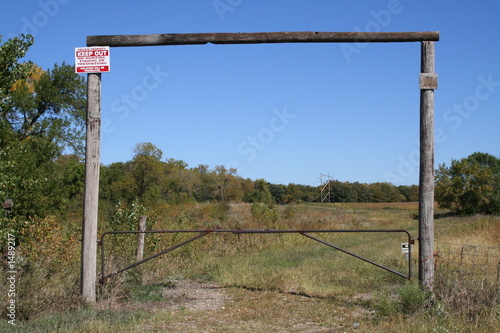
column 47, row 270
column 408, row 299
column 264, row 215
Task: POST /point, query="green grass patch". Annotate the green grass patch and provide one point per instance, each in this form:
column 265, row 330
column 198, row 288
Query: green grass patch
column 84, row 320
column 146, row 293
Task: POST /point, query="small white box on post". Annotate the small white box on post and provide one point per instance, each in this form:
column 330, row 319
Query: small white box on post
column 405, row 249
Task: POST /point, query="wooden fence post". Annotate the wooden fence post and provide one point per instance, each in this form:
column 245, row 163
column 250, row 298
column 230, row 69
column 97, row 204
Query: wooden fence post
column 140, row 238
column 91, row 195
column 428, row 82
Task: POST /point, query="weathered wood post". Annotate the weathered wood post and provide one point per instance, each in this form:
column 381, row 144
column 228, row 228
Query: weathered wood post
column 91, row 195
column 428, row 82
column 140, row 238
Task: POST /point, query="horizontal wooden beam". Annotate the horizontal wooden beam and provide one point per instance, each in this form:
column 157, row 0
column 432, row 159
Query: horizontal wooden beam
column 260, row 38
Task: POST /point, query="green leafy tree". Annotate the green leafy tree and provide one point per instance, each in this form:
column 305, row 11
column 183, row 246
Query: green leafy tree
column 27, row 177
column 179, row 183
column 222, row 180
column 470, row 185
column 309, row 193
column 147, row 149
column 71, row 169
column 219, row 184
column 410, row 192
column 206, row 189
column 261, row 193
column 48, row 104
column 342, row 192
column 117, row 183
column 147, row 170
column 300, row 193
column 385, row 192
column 278, row 192
column 41, row 114
column 11, row 68
column 363, row 192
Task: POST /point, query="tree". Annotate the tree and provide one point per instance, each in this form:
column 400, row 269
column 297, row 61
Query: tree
column 363, row 193
column 116, row 183
column 11, row 69
column 342, row 192
column 470, row 185
column 206, row 189
column 27, row 177
column 300, row 193
column 410, row 192
column 385, row 192
column 41, row 114
column 49, row 104
column 147, row 170
column 71, row 170
column 261, row 193
column 278, row 192
column 221, row 179
column 218, row 184
column 147, row 149
column 178, row 181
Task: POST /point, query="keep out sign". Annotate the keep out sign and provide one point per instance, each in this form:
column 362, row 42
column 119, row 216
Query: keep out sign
column 92, row 59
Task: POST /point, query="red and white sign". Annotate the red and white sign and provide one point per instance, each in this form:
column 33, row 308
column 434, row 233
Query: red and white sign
column 92, row 59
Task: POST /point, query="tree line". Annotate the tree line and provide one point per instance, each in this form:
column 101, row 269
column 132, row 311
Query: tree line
column 153, row 181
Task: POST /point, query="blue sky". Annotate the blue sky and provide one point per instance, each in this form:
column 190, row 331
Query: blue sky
column 283, row 112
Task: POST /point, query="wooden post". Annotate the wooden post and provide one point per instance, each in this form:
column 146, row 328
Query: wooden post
column 428, row 82
column 91, row 196
column 140, row 238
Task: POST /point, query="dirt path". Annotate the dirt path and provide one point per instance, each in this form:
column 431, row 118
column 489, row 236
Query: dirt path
column 196, row 296
column 194, row 306
column 186, row 295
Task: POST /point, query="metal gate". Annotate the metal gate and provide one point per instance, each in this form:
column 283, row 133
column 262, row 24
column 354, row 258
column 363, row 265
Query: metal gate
column 202, row 233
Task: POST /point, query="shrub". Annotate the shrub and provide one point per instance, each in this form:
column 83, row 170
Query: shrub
column 47, row 270
column 408, row 299
column 264, row 215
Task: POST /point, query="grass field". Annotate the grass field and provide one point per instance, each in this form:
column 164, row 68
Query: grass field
column 266, row 282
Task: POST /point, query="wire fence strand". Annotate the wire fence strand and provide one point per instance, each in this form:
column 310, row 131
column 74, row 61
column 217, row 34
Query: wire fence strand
column 469, row 261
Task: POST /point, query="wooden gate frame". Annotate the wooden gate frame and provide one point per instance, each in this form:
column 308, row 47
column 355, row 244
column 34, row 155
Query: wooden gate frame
column 428, row 82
